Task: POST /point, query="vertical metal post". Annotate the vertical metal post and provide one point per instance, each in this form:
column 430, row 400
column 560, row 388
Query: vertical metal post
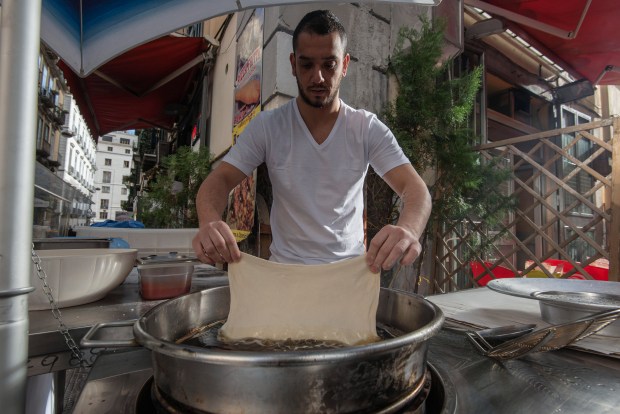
column 20, row 22
column 614, row 232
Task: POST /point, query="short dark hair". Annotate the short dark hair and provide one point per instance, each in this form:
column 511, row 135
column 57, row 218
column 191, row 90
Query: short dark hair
column 321, row 22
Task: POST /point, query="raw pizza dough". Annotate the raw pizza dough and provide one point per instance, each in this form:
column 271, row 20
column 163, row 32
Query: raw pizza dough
column 335, row 302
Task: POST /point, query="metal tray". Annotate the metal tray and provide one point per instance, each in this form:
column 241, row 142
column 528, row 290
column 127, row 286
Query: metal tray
column 589, row 300
column 565, row 300
column 528, row 288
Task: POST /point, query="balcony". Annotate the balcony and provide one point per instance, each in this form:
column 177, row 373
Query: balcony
column 47, row 97
column 58, row 115
column 68, row 131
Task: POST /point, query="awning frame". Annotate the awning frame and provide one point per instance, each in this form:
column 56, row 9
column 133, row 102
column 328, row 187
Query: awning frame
column 533, row 23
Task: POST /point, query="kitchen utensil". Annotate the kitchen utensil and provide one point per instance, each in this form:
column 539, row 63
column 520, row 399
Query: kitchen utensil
column 57, row 243
column 78, row 276
column 546, row 339
column 524, row 287
column 566, row 300
column 365, row 378
column 561, row 307
column 497, row 334
column 504, row 333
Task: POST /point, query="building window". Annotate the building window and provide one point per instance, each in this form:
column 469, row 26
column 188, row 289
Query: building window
column 110, row 149
column 104, row 203
column 108, row 162
column 103, row 215
column 44, row 77
column 105, row 189
column 127, row 151
column 126, row 164
column 107, row 177
column 580, row 181
column 46, row 133
column 39, row 132
column 125, row 141
column 106, row 138
column 123, row 191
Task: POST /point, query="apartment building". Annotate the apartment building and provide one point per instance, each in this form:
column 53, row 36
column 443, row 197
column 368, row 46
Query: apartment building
column 114, row 163
column 65, row 151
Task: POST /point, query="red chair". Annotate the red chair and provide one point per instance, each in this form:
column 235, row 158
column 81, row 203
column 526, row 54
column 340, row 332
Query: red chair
column 498, row 272
column 597, row 272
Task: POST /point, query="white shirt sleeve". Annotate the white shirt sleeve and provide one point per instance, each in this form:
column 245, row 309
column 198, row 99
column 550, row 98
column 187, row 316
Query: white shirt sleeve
column 249, row 150
column 384, row 153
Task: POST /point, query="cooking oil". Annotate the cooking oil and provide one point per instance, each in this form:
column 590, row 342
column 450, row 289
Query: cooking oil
column 209, row 337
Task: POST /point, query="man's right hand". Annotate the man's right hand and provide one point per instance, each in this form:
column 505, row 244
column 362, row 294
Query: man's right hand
column 215, row 243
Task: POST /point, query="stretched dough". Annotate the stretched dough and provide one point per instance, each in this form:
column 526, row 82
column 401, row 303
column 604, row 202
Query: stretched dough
column 336, row 301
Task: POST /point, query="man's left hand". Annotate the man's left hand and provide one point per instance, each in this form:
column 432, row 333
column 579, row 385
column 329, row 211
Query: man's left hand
column 390, row 244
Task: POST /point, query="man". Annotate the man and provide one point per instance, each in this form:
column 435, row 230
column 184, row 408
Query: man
column 317, row 150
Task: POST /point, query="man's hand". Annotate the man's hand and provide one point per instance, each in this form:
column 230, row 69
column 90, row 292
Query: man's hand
column 402, row 241
column 215, row 243
column 390, row 244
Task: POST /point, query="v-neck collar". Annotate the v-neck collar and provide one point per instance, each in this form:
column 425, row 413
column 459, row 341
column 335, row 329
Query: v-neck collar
column 307, row 132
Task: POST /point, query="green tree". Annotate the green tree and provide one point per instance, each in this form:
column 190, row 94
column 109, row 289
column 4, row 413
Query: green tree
column 430, row 118
column 170, row 201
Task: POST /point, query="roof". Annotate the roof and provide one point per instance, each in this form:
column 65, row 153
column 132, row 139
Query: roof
column 142, row 88
column 580, row 35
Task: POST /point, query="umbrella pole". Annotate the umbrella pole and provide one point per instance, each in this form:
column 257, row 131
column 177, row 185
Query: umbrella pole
column 20, row 22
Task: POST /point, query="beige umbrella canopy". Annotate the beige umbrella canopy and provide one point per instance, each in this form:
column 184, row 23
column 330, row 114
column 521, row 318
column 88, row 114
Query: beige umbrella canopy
column 86, row 34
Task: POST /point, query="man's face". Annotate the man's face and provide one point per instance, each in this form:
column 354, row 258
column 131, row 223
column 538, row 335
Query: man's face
column 319, row 64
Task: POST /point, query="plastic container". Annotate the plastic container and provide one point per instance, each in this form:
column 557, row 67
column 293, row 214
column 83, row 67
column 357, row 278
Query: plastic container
column 165, row 281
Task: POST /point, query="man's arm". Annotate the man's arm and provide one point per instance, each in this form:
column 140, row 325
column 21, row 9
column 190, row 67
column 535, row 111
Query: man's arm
column 402, row 241
column 215, row 242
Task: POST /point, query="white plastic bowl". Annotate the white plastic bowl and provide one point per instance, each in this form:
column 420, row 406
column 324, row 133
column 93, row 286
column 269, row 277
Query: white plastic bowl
column 79, row 276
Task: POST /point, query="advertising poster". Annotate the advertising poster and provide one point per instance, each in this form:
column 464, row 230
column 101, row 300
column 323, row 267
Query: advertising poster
column 247, row 104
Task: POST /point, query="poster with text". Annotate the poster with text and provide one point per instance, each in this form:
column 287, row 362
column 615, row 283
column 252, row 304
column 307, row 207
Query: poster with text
column 247, row 104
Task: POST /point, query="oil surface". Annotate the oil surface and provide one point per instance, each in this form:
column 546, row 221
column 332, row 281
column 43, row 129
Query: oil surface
column 209, row 337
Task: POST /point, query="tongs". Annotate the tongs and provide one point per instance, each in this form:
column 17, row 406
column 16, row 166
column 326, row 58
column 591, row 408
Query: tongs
column 545, row 339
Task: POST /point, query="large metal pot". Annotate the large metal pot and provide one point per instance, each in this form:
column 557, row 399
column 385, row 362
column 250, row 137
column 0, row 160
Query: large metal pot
column 364, row 378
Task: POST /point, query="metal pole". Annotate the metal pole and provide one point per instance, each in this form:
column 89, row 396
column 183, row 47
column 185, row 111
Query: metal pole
column 614, row 228
column 20, row 23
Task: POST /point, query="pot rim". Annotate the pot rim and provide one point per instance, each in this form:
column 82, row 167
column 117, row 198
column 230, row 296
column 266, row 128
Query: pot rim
column 305, row 357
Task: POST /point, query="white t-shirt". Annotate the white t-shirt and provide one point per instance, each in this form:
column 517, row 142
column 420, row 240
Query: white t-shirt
column 318, row 201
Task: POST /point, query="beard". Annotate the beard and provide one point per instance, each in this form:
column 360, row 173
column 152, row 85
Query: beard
column 318, row 102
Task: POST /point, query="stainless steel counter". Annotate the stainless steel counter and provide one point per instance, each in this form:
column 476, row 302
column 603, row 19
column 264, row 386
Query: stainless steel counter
column 564, row 381
column 583, row 379
column 47, row 350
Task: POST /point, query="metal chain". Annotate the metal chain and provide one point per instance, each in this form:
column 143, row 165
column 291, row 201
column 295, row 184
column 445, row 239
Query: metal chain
column 62, row 328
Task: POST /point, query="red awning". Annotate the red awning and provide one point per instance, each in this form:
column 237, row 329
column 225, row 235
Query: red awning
column 141, row 88
column 581, row 34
